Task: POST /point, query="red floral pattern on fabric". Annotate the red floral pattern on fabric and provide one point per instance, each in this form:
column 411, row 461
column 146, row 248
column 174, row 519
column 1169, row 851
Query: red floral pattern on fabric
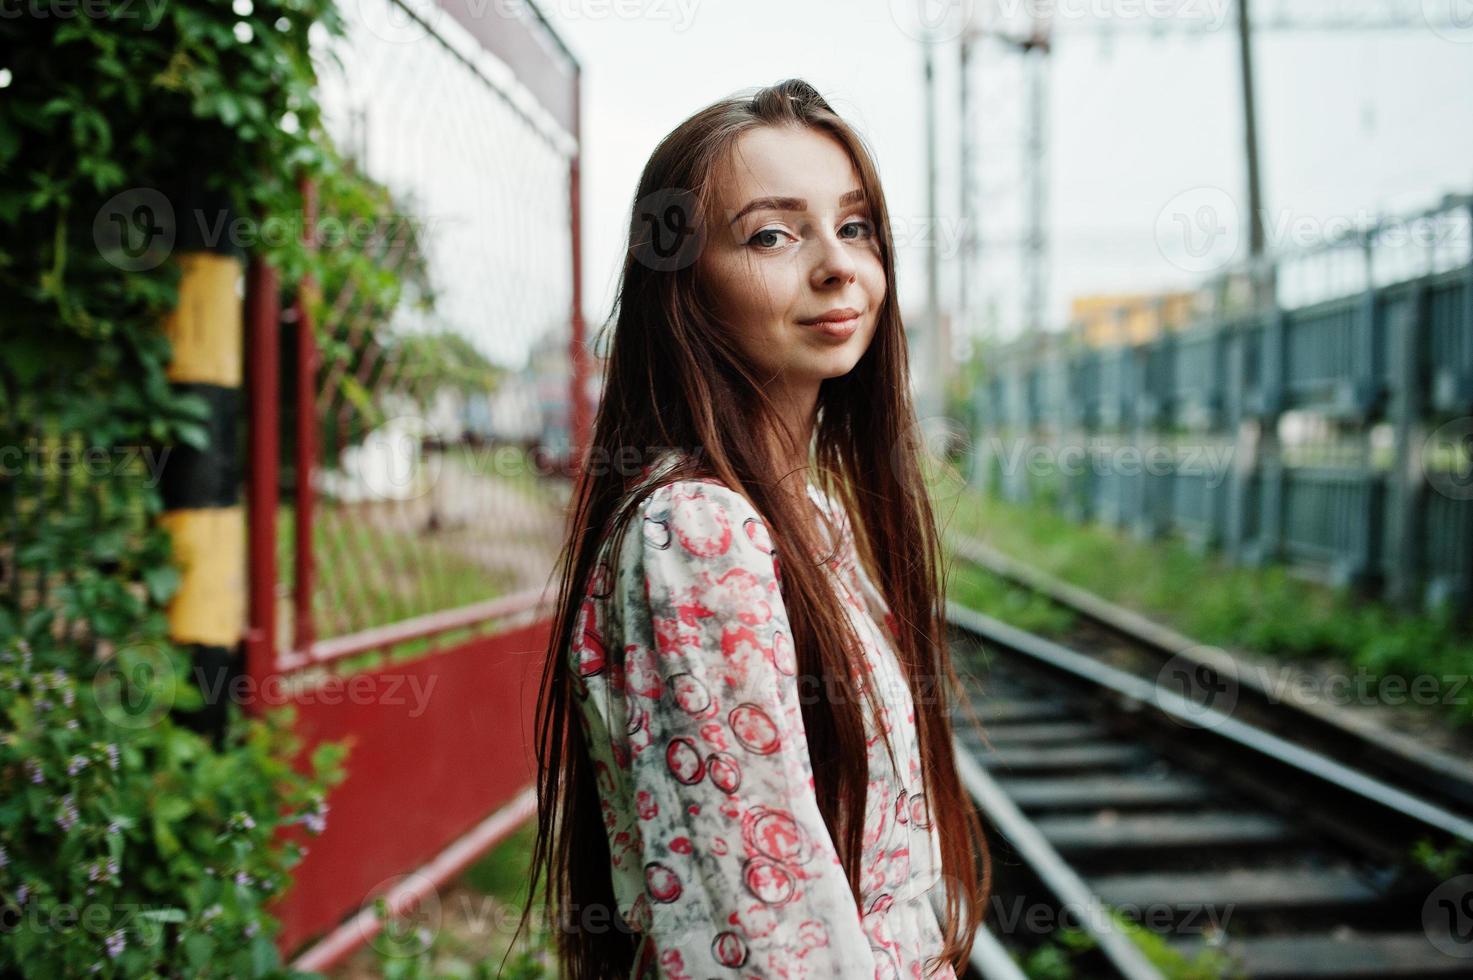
column 688, row 700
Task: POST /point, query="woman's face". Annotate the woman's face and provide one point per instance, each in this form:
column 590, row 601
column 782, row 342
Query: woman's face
column 791, row 241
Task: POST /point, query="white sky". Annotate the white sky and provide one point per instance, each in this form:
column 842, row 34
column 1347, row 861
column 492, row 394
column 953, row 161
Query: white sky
column 1351, row 122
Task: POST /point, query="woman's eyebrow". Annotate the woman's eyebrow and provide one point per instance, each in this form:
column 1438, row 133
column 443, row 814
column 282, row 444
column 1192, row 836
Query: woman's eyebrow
column 793, row 203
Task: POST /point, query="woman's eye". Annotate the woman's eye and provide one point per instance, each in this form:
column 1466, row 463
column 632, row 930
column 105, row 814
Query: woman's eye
column 861, row 228
column 763, row 232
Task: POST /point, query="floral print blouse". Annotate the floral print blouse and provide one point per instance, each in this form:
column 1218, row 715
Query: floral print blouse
column 689, row 705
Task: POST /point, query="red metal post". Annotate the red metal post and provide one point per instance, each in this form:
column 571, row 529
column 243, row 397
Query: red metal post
column 307, row 426
column 262, row 326
column 579, row 423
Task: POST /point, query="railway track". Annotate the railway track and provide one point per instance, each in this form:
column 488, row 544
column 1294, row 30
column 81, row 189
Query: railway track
column 1278, row 698
column 1109, row 797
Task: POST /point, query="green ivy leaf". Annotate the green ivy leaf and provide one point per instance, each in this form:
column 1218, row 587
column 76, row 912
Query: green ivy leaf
column 199, row 949
column 195, row 436
column 164, row 838
column 162, row 582
column 264, row 957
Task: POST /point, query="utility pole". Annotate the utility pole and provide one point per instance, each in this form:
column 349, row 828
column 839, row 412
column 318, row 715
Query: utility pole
column 1262, row 278
column 1036, row 50
column 930, row 401
column 967, row 166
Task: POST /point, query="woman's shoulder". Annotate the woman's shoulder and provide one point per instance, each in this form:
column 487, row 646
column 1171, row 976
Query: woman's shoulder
column 707, row 493
column 702, row 518
column 701, row 514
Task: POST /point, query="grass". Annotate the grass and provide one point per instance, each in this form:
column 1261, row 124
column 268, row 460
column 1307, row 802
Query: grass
column 372, row 575
column 1267, row 610
column 503, row 871
column 976, row 588
column 1057, row 958
column 473, row 933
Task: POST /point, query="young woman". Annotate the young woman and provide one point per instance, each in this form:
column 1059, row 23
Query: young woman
column 744, row 741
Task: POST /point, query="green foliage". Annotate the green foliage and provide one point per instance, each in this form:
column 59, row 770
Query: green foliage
column 1054, row 959
column 1023, row 608
column 503, row 872
column 439, row 360
column 1443, row 862
column 1264, row 610
column 403, row 951
column 202, row 98
column 1059, row 957
column 129, row 845
column 406, row 951
column 1209, row 963
column 433, row 963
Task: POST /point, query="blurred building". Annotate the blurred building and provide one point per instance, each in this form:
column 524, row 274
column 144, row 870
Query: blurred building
column 1114, row 319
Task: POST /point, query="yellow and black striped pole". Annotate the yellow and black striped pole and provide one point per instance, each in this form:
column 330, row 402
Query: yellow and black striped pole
column 201, row 487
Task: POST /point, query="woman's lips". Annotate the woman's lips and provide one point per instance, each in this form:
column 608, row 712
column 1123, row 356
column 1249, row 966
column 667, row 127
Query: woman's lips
column 838, row 329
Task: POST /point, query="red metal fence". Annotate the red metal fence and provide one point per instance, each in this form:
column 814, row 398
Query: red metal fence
column 401, row 538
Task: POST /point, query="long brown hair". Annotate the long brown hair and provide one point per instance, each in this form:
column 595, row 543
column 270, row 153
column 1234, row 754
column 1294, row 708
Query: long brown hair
column 675, row 378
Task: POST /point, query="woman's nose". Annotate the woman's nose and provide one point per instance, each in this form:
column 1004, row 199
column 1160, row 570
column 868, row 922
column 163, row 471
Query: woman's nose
column 834, row 262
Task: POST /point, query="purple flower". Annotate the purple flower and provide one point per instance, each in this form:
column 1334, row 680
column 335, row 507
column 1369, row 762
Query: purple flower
column 116, row 943
column 114, row 827
column 112, row 756
column 22, row 893
column 242, row 879
column 4, row 858
column 251, row 929
column 37, row 776
column 78, row 763
column 97, row 871
column 316, row 821
column 68, row 818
